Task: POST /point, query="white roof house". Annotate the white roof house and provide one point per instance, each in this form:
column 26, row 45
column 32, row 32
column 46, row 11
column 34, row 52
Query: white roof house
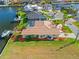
column 36, row 7
column 30, row 7
column 59, row 15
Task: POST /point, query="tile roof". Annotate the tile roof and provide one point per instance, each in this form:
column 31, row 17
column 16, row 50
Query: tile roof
column 40, row 29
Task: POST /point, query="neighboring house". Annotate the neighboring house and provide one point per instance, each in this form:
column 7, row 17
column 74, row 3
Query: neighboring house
column 30, row 1
column 47, row 7
column 35, row 16
column 42, row 30
column 58, row 15
column 28, row 7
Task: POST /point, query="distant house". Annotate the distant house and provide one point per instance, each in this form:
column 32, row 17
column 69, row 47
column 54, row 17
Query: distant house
column 31, row 7
column 57, row 0
column 47, row 7
column 36, row 1
column 58, row 15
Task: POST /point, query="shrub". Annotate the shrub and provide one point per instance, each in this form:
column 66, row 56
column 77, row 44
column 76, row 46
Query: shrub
column 21, row 39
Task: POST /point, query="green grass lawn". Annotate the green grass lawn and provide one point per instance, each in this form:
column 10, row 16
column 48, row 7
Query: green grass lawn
column 42, row 43
column 36, row 49
column 76, row 24
column 67, row 29
column 58, row 22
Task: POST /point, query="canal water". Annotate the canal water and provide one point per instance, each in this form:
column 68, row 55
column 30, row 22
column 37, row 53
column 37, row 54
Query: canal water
column 6, row 16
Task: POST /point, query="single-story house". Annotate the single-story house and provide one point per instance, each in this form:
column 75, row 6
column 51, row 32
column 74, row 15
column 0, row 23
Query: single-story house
column 44, row 29
column 35, row 16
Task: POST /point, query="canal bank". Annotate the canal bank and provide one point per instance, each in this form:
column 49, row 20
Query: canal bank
column 6, row 16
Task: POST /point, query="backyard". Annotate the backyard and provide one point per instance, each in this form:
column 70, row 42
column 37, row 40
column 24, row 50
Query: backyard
column 40, row 50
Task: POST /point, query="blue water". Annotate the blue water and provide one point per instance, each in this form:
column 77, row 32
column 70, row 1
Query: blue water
column 6, row 15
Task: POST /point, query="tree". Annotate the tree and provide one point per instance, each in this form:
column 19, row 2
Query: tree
column 23, row 21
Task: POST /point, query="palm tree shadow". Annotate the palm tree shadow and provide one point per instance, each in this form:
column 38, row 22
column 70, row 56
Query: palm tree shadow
column 66, row 45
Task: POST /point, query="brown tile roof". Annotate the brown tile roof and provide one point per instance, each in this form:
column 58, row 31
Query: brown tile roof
column 40, row 29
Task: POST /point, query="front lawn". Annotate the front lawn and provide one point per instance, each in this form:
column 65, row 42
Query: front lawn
column 67, row 29
column 40, row 50
column 76, row 24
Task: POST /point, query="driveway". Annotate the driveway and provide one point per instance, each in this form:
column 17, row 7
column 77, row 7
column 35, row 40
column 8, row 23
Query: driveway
column 71, row 26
